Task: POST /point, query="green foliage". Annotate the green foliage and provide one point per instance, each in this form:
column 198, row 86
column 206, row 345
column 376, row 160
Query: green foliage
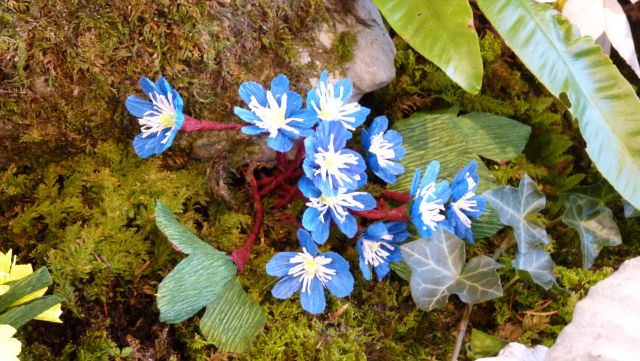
column 442, row 31
column 343, row 46
column 603, row 101
column 454, row 141
column 484, row 345
column 438, row 270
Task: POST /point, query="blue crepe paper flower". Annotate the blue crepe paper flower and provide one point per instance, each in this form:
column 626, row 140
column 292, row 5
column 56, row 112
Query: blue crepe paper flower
column 325, row 205
column 384, row 149
column 328, row 162
column 329, row 102
column 277, row 111
column 427, row 208
column 465, row 203
column 310, row 272
column 379, row 245
column 160, row 119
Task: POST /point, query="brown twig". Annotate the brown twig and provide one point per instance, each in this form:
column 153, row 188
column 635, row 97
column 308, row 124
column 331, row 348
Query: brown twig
column 240, row 255
column 391, row 214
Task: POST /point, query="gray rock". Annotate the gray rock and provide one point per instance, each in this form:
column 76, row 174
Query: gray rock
column 519, row 352
column 373, row 63
column 606, row 324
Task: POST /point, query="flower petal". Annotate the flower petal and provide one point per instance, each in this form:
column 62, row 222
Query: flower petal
column 349, row 226
column 341, row 284
column 280, row 264
column 313, row 301
column 279, row 85
column 307, row 242
column 281, row 143
column 250, row 89
column 286, row 287
column 138, row 106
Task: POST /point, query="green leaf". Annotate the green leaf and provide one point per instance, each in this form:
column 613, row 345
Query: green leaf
column 515, row 206
column 454, row 141
column 629, row 210
column 193, row 284
column 178, row 234
column 402, row 270
column 604, row 103
column 437, row 271
column 595, row 225
column 36, row 281
column 18, row 316
column 485, row 345
column 601, row 192
column 538, row 265
column 441, row 31
column 232, row 319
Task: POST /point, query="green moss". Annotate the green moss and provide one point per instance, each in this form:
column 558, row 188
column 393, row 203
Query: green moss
column 343, row 46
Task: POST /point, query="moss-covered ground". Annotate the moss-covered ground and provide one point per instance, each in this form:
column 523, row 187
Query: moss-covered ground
column 74, row 197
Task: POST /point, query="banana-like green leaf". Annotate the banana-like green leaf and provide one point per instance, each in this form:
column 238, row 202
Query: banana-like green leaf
column 604, row 103
column 18, row 316
column 538, row 265
column 454, row 141
column 36, row 281
column 595, row 225
column 232, row 319
column 438, row 270
column 443, row 32
column 515, row 207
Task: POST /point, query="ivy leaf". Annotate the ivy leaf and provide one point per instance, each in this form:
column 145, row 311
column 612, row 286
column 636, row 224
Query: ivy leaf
column 595, row 225
column 193, row 284
column 232, row 319
column 515, row 206
column 438, row 270
column 629, row 210
column 454, row 141
column 601, row 192
column 539, row 265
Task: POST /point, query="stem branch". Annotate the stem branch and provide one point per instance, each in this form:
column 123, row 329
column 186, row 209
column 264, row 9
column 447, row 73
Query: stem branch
column 240, row 255
column 196, row 125
column 462, row 330
column 391, row 214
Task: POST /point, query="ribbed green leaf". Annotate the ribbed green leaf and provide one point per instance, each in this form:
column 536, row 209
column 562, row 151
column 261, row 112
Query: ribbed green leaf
column 178, row 234
column 485, row 345
column 193, row 284
column 232, row 319
column 454, row 141
column 604, row 103
column 442, row 31
column 37, row 280
column 18, row 316
column 538, row 266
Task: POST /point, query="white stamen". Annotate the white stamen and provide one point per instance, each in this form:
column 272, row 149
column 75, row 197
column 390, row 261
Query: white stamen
column 430, row 212
column 471, row 184
column 337, row 203
column 465, row 204
column 310, row 267
column 331, row 163
column 161, row 117
column 273, row 116
column 373, row 252
column 332, row 108
column 382, row 149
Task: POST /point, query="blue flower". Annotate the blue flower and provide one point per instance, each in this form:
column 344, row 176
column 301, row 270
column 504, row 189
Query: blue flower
column 383, row 149
column 329, row 102
column 328, row 162
column 427, row 208
column 465, row 204
column 379, row 245
column 310, row 272
column 160, row 119
column 327, row 204
column 277, row 111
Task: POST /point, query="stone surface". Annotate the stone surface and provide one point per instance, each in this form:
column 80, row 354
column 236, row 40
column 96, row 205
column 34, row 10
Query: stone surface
column 606, row 324
column 519, row 352
column 372, row 66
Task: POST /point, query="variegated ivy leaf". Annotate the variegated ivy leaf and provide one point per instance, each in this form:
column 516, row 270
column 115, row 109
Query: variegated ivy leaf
column 538, row 263
column 515, row 207
column 595, row 225
column 438, row 270
column 629, row 210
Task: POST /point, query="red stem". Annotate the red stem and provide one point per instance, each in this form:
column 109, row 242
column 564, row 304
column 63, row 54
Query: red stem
column 290, row 172
column 400, row 197
column 286, row 200
column 391, row 214
column 196, row 125
column 240, row 255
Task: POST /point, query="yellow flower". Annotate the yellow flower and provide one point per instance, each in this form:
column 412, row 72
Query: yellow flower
column 10, row 347
column 10, row 271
